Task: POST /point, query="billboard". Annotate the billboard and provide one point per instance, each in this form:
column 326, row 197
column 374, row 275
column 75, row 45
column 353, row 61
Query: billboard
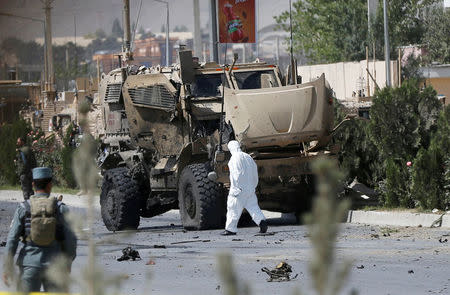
column 236, row 21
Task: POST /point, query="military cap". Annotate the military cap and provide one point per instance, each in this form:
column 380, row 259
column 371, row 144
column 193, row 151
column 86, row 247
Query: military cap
column 42, row 173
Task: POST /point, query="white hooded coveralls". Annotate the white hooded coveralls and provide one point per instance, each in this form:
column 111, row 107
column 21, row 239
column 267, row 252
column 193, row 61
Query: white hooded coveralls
column 243, row 181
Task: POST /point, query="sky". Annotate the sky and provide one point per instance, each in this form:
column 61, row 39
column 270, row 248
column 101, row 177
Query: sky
column 89, row 15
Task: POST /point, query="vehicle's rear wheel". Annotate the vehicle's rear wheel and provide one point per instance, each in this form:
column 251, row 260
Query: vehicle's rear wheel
column 119, row 200
column 201, row 201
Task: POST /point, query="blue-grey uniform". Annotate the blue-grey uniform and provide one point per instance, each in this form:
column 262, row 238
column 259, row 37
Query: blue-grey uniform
column 33, row 259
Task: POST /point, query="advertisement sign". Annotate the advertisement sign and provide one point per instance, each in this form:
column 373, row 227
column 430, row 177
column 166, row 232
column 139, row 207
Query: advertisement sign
column 236, row 21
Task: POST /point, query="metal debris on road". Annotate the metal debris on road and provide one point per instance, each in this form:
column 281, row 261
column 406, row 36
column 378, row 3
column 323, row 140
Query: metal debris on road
column 265, row 234
column 2, row 244
column 410, row 271
column 281, row 273
column 129, row 253
column 185, row 242
column 360, row 267
column 442, row 240
column 159, row 246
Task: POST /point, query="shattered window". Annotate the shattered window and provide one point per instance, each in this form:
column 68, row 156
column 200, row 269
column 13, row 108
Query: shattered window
column 208, row 85
column 256, row 79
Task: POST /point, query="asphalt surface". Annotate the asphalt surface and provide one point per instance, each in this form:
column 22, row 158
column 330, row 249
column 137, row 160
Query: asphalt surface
column 385, row 260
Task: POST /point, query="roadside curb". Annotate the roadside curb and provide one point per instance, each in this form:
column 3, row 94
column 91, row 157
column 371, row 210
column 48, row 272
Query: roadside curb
column 398, row 218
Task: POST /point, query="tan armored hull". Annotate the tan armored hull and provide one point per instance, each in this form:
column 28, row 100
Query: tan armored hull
column 281, row 116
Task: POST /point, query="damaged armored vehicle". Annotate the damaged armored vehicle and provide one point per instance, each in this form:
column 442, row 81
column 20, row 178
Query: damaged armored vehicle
column 166, row 130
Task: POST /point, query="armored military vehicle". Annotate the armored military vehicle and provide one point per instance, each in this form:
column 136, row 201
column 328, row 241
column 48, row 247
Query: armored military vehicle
column 166, row 130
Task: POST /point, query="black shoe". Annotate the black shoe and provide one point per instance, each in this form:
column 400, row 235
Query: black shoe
column 227, row 233
column 263, row 226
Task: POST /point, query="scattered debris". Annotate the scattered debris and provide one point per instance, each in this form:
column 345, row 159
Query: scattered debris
column 442, row 240
column 2, row 244
column 236, row 240
column 265, row 234
column 360, row 267
column 375, row 236
column 437, row 222
column 159, row 246
column 129, row 253
column 410, row 271
column 280, row 273
column 196, row 237
column 186, row 242
column 434, row 210
column 387, row 231
column 218, row 287
column 150, row 262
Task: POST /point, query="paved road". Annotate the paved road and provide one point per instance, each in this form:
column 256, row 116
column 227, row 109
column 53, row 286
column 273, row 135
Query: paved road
column 190, row 268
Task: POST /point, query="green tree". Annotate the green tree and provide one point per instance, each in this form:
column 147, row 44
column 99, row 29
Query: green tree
column 328, row 31
column 9, row 134
column 116, row 30
column 402, row 121
column 406, row 21
column 358, row 155
column 437, row 35
column 430, row 175
column 100, row 34
column 181, row 28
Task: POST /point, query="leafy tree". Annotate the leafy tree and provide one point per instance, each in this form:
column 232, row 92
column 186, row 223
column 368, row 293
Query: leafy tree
column 406, row 21
column 181, row 28
column 328, row 31
column 141, row 31
column 100, row 34
column 430, row 175
column 402, row 121
column 116, row 30
column 9, row 134
column 437, row 35
column 333, row 31
column 358, row 155
column 27, row 52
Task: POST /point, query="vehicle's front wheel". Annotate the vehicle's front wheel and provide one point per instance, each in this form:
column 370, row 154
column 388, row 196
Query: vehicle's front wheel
column 119, row 200
column 201, row 201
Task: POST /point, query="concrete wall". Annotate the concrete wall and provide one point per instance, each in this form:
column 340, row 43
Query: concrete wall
column 348, row 77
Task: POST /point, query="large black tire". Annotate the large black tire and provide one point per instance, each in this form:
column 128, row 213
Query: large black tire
column 119, row 200
column 201, row 201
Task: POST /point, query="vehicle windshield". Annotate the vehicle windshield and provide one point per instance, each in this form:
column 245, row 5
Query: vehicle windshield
column 208, row 85
column 256, row 79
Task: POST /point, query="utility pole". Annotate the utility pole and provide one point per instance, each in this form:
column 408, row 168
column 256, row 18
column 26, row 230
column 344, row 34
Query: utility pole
column 50, row 77
column 167, row 32
column 126, row 50
column 197, row 32
column 215, row 43
column 386, row 45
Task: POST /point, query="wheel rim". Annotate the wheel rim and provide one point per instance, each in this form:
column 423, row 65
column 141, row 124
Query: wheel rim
column 189, row 201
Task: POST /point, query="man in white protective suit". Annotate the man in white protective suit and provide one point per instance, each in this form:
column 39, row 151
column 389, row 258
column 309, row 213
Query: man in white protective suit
column 243, row 181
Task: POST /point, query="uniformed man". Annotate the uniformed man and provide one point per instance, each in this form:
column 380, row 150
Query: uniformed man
column 25, row 162
column 40, row 224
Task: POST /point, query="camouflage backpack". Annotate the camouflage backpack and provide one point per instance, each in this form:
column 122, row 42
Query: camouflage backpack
column 41, row 220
